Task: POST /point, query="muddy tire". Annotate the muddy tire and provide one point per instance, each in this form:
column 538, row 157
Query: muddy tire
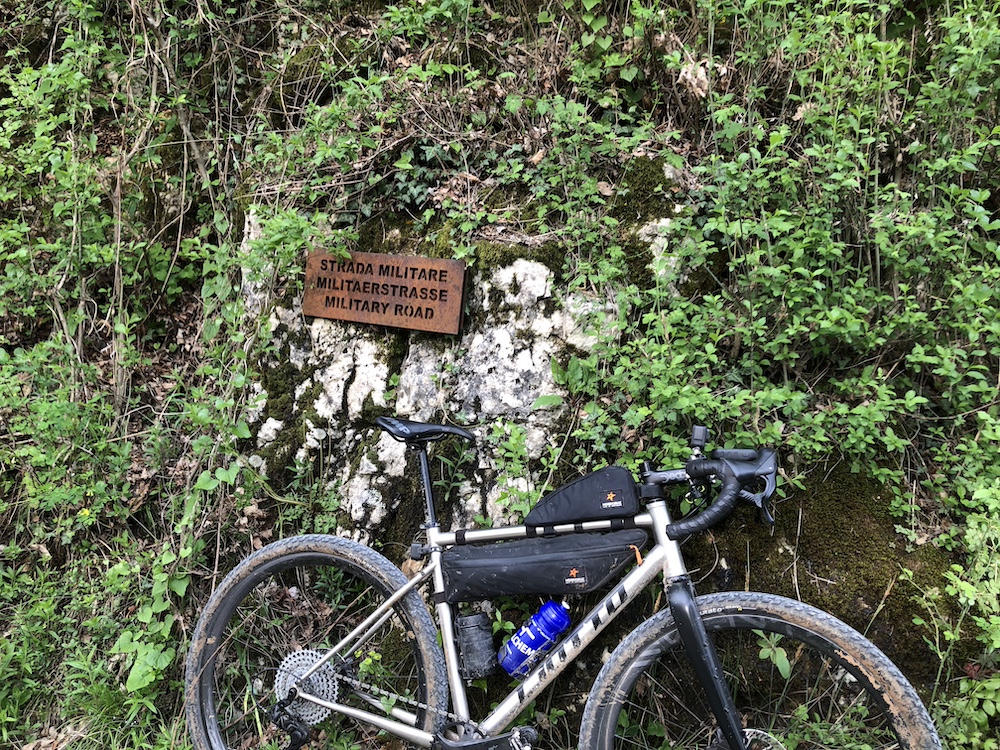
column 800, row 678
column 270, row 619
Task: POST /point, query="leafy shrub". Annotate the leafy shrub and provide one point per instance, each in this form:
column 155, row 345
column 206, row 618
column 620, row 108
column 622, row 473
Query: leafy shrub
column 830, row 285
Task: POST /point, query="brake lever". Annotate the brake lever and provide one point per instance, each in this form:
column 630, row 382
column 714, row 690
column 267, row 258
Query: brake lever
column 760, row 499
column 767, row 463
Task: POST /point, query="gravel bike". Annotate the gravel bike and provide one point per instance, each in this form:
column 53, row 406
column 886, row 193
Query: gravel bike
column 320, row 639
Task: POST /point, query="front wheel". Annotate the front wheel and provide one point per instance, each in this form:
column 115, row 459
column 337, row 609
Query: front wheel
column 801, row 679
column 279, row 611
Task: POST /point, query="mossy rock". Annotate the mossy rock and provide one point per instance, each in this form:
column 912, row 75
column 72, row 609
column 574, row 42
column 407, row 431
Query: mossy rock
column 494, row 255
column 644, row 192
column 386, row 233
column 834, row 546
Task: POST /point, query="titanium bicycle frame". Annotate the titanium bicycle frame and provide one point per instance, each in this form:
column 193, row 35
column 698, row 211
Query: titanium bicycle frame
column 664, row 558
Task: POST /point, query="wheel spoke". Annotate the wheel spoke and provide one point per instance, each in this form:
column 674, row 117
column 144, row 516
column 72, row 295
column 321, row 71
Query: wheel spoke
column 277, row 616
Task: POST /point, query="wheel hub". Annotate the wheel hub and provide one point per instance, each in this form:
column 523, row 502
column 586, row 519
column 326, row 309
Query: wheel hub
column 322, row 683
column 758, row 739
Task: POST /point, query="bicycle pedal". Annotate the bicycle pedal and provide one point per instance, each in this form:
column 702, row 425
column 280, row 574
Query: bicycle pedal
column 522, row 738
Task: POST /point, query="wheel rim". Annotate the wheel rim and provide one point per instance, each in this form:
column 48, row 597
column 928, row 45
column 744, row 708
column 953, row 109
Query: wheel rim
column 790, row 692
column 306, row 604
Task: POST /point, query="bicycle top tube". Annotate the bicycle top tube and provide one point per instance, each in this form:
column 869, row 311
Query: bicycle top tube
column 735, row 475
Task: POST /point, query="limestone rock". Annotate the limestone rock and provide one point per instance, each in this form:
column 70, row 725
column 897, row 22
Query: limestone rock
column 327, row 379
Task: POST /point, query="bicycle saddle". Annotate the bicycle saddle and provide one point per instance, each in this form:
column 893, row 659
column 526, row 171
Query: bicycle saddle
column 420, row 432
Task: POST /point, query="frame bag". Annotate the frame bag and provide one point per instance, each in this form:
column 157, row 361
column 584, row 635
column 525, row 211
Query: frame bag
column 574, row 564
column 608, row 493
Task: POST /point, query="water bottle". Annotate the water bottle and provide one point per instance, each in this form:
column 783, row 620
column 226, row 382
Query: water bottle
column 529, row 644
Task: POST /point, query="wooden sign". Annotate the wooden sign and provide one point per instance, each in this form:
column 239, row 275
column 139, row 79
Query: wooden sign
column 421, row 294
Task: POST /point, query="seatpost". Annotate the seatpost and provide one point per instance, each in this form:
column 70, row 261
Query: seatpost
column 425, row 478
column 446, row 622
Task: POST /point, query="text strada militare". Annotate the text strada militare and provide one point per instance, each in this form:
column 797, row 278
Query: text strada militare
column 401, row 291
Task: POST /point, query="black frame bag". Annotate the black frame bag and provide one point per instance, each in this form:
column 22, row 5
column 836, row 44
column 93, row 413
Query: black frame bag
column 573, row 564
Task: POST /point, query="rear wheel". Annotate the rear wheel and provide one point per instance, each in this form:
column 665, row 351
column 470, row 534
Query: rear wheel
column 281, row 610
column 800, row 679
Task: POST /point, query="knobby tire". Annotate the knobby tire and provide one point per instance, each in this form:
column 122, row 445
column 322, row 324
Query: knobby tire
column 303, row 594
column 800, row 678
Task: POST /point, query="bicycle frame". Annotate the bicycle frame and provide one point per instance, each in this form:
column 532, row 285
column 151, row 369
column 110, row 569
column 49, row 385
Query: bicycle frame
column 663, row 559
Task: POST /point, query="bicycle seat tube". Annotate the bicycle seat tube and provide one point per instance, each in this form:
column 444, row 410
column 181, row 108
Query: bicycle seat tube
column 446, row 622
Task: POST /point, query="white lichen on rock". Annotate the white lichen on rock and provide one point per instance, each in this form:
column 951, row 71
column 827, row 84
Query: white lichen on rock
column 664, row 264
column 501, row 367
column 392, row 454
column 494, row 372
column 370, row 376
column 269, row 431
column 524, row 283
column 420, row 393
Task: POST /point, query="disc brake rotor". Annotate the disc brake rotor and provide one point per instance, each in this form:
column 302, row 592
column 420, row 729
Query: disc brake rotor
column 322, row 684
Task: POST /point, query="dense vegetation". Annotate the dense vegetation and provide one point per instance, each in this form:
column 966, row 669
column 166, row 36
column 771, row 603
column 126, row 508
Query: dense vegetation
column 830, row 285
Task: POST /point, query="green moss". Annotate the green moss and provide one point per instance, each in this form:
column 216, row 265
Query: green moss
column 638, row 257
column 385, row 234
column 280, row 379
column 402, row 523
column 437, row 243
column 493, row 255
column 834, row 547
column 644, row 192
column 370, row 410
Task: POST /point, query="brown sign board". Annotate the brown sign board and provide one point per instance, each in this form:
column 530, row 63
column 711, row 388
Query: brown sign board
column 421, row 294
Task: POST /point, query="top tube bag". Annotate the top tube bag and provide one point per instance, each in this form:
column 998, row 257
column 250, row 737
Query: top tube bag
column 608, row 493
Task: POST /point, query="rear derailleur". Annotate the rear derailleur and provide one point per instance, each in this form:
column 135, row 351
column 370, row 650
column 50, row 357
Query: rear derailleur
column 296, row 729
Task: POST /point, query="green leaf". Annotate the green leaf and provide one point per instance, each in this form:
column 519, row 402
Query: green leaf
column 179, row 584
column 513, row 103
column 780, row 659
column 125, row 644
column 629, row 73
column 150, row 661
column 598, row 23
column 228, row 475
column 206, row 482
column 405, row 161
column 547, row 402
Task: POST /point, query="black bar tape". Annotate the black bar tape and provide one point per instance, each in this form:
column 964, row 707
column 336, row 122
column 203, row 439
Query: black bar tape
column 701, row 468
column 724, row 502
